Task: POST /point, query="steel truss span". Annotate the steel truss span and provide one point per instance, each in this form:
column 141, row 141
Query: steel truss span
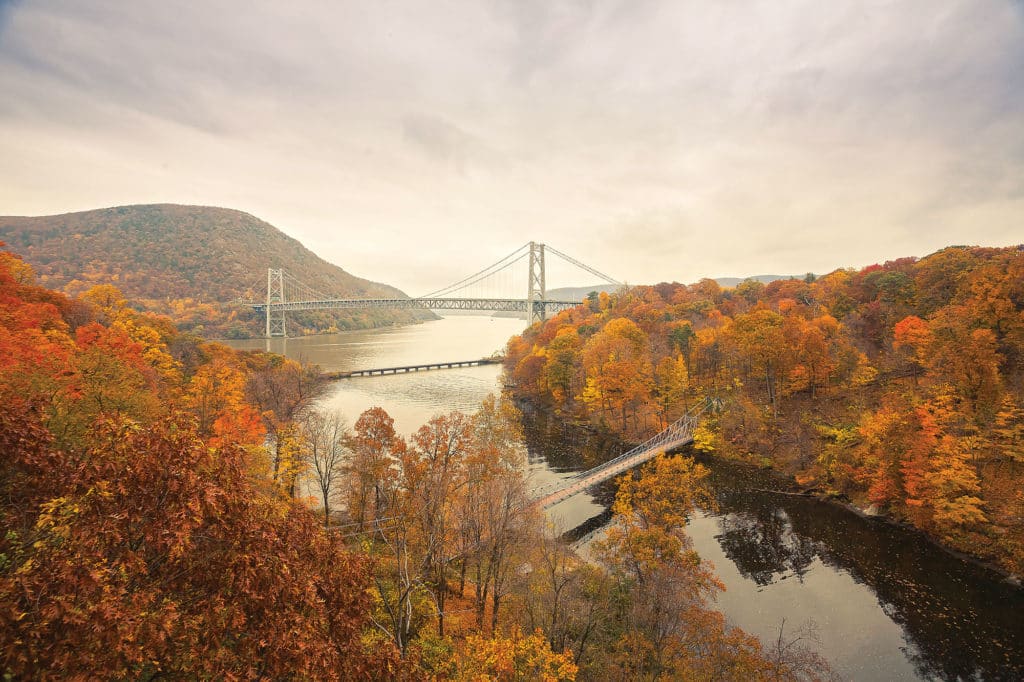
column 510, row 305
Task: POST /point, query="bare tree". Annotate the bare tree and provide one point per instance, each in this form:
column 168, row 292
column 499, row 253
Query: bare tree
column 793, row 656
column 325, row 438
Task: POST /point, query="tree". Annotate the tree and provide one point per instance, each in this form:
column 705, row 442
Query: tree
column 913, row 337
column 560, row 367
column 432, row 471
column 493, row 516
column 955, row 488
column 1008, row 430
column 374, row 467
column 884, row 435
column 511, row 657
column 282, row 389
column 671, row 382
column 153, row 555
column 398, row 613
column 107, row 376
column 325, row 437
column 618, row 371
column 761, row 343
column 570, row 600
column 215, row 394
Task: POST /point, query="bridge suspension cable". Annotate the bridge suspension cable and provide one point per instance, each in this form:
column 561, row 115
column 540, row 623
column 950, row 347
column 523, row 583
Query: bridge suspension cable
column 297, row 291
column 584, row 266
column 476, row 277
column 505, row 263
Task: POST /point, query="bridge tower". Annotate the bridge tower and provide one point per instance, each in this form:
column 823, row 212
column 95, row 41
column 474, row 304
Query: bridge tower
column 275, row 294
column 536, row 293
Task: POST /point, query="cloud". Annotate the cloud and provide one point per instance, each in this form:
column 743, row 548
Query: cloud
column 446, row 144
column 659, row 140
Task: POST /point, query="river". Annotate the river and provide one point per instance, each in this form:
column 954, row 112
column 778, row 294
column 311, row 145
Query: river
column 885, row 603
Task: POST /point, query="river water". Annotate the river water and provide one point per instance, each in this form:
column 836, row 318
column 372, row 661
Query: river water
column 885, row 604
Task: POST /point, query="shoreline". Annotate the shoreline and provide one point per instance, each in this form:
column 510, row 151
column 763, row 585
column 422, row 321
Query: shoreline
column 322, row 333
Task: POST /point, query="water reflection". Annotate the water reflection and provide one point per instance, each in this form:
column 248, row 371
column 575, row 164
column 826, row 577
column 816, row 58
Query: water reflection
column 958, row 620
column 764, row 546
column 449, row 338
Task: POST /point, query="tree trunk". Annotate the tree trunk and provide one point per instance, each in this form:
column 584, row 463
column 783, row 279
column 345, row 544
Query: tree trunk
column 495, row 599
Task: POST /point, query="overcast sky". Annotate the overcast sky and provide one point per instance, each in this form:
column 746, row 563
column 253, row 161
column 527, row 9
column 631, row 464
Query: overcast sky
column 414, row 142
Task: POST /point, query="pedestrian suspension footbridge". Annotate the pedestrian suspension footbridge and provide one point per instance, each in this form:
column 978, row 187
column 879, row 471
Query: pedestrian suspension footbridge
column 675, row 435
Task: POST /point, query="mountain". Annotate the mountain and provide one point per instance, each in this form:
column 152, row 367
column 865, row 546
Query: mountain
column 763, row 279
column 579, row 293
column 189, row 262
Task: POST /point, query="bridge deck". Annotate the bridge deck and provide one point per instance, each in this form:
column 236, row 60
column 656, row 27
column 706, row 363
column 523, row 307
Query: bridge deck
column 487, row 304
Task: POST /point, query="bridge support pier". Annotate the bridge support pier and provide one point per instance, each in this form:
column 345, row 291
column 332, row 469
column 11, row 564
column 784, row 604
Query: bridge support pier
column 276, row 323
column 536, row 311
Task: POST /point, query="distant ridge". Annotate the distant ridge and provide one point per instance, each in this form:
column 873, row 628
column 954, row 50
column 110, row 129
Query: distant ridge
column 188, row 262
column 764, row 279
column 578, row 293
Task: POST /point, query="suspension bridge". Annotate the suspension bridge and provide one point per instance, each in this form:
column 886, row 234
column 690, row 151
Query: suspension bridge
column 285, row 293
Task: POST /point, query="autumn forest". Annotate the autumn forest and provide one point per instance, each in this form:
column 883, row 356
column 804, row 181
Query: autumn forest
column 898, row 387
column 177, row 509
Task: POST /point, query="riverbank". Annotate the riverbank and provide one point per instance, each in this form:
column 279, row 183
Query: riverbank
column 327, row 332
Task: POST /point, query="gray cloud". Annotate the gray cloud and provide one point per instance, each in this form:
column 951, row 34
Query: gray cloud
column 661, row 140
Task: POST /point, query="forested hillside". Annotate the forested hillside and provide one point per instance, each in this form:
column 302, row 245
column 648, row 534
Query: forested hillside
column 188, row 262
column 899, row 386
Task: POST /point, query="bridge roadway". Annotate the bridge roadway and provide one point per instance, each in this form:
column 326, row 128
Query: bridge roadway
column 510, row 305
column 677, row 434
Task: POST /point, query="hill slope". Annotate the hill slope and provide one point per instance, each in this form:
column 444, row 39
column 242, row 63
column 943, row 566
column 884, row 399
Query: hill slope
column 187, row 262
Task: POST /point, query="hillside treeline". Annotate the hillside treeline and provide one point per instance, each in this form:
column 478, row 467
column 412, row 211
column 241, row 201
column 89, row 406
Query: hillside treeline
column 191, row 263
column 899, row 385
